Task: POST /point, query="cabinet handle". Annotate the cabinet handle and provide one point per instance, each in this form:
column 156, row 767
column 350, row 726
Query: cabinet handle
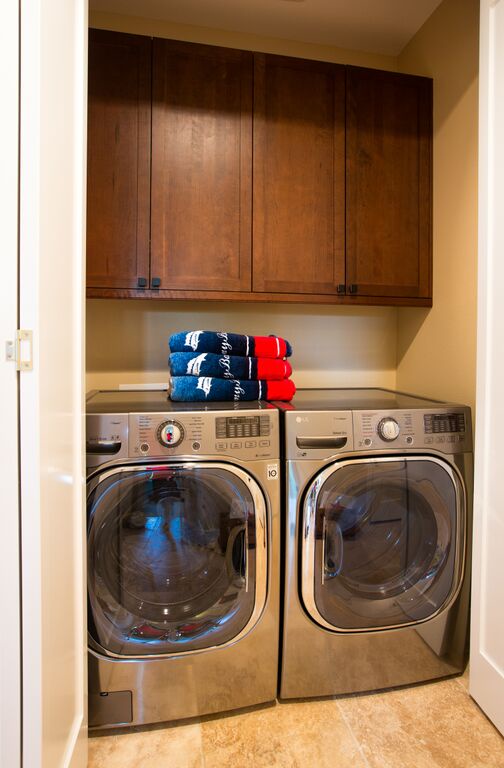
column 155, row 282
column 341, row 288
column 352, row 288
column 142, row 282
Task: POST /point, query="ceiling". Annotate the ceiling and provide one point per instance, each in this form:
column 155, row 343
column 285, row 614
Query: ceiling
column 377, row 26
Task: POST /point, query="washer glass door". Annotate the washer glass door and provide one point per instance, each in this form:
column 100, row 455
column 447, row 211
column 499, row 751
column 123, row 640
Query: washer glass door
column 176, row 557
column 382, row 542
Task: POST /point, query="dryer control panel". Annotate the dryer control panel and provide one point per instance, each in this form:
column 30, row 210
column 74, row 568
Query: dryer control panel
column 448, row 431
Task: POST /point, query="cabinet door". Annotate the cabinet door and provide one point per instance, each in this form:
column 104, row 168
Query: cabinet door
column 118, row 187
column 201, row 167
column 388, row 184
column 299, row 175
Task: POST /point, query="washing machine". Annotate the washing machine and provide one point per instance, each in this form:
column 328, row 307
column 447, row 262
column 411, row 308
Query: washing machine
column 183, row 562
column 377, row 540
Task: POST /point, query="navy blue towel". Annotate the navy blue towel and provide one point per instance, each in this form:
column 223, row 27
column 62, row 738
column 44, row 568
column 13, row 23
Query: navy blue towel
column 203, row 388
column 227, row 366
column 230, row 344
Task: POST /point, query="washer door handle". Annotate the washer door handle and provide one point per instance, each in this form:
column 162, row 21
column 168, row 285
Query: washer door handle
column 103, row 446
column 329, row 441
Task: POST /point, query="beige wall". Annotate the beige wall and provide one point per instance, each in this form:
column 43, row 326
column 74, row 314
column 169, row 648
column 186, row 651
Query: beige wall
column 333, row 346
column 127, row 341
column 436, row 352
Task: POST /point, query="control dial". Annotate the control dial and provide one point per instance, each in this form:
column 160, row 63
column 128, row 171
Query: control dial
column 170, row 433
column 388, row 429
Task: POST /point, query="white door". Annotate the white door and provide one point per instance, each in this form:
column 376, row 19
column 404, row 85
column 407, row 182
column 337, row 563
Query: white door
column 51, row 301
column 10, row 660
column 487, row 644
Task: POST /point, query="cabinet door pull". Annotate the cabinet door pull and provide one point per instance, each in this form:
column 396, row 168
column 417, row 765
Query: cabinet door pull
column 155, row 282
column 142, row 282
column 352, row 288
column 341, row 288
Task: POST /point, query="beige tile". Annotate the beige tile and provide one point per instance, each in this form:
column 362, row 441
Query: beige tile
column 177, row 746
column 428, row 726
column 293, row 735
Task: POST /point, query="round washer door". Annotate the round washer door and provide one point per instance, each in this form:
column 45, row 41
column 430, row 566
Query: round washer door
column 382, row 542
column 177, row 557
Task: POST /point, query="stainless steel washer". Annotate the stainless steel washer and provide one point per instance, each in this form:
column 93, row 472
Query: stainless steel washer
column 377, row 540
column 183, row 563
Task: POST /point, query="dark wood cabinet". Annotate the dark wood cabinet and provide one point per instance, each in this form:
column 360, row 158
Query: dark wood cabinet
column 272, row 178
column 201, row 167
column 388, row 184
column 299, row 176
column 118, row 182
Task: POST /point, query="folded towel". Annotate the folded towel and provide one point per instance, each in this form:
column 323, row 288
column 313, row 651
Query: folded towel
column 203, row 388
column 230, row 344
column 227, row 366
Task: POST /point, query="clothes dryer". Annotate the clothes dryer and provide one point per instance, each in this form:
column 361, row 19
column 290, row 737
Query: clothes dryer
column 183, row 563
column 377, row 540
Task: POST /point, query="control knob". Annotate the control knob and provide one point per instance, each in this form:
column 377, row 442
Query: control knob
column 388, row 429
column 170, row 433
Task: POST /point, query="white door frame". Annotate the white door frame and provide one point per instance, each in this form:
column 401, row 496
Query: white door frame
column 487, row 628
column 51, row 304
column 10, row 656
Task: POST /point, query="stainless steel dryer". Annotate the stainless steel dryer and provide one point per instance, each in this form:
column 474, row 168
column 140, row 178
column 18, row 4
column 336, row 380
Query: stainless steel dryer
column 183, row 564
column 377, row 537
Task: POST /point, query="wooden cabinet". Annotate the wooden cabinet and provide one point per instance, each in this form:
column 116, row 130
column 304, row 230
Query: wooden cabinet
column 201, row 167
column 272, row 178
column 299, row 176
column 118, row 182
column 388, row 184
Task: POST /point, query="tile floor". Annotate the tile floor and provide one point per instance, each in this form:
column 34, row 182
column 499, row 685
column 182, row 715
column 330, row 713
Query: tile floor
column 428, row 726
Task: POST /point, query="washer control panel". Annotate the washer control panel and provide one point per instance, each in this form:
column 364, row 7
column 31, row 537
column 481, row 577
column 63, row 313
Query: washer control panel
column 243, row 436
column 388, row 429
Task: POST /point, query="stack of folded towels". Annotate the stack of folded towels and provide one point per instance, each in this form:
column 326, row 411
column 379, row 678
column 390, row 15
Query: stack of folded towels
column 207, row 365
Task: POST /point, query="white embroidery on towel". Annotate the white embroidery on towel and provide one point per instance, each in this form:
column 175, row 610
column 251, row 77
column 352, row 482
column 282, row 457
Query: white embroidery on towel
column 260, row 390
column 250, row 367
column 237, row 390
column 225, row 364
column 205, row 383
column 278, row 345
column 226, row 347
column 192, row 339
column 194, row 365
column 247, row 350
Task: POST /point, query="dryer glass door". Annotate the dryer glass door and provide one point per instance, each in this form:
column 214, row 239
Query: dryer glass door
column 176, row 557
column 382, row 542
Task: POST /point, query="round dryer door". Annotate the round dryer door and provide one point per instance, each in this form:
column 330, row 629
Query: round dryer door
column 382, row 542
column 177, row 557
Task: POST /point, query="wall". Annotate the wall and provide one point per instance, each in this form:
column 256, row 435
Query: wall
column 333, row 346
column 128, row 340
column 436, row 352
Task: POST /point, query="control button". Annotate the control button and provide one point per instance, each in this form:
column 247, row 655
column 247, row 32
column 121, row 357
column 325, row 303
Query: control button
column 196, row 446
column 450, row 439
column 440, row 439
column 221, row 446
column 170, row 433
column 251, row 444
column 236, row 445
column 388, row 429
column 429, row 439
column 409, row 439
column 264, row 443
column 144, row 447
column 461, row 438
column 367, row 441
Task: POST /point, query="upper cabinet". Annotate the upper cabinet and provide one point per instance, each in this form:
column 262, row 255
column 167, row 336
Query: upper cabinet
column 216, row 173
column 119, row 160
column 299, row 176
column 201, row 167
column 388, row 184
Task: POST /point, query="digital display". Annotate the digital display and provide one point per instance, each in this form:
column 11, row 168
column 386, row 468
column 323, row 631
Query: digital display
column 242, row 426
column 437, row 423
